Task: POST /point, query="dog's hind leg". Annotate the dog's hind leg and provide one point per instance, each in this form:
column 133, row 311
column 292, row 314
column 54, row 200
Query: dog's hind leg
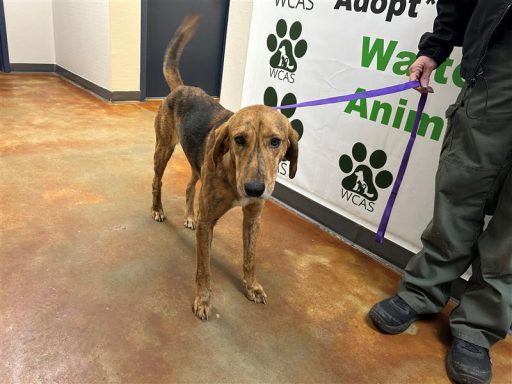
column 162, row 155
column 253, row 290
column 190, row 218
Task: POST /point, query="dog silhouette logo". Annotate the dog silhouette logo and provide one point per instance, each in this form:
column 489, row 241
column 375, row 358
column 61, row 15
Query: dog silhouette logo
column 365, row 180
column 286, row 46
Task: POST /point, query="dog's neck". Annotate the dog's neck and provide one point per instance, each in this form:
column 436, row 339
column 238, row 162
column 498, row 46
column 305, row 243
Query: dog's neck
column 242, row 202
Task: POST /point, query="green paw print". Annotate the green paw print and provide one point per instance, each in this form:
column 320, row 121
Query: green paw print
column 270, row 99
column 285, row 52
column 361, row 179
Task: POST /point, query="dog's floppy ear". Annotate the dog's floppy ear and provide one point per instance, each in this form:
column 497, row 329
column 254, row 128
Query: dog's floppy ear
column 220, row 146
column 292, row 153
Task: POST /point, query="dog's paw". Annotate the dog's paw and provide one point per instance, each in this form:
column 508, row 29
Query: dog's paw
column 158, row 214
column 202, row 307
column 255, row 292
column 190, row 223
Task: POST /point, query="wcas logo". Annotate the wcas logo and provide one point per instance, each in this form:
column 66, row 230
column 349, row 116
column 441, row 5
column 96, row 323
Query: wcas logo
column 286, row 47
column 365, row 179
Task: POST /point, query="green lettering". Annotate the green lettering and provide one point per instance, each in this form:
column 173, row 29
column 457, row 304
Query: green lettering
column 397, row 121
column 426, row 120
column 437, row 129
column 439, row 74
column 377, row 50
column 359, row 106
column 402, row 67
column 386, row 112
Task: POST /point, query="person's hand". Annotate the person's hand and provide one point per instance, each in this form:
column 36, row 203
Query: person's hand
column 421, row 70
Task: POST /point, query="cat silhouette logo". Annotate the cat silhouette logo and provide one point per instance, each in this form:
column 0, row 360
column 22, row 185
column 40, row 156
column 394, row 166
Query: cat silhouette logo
column 286, row 46
column 365, row 180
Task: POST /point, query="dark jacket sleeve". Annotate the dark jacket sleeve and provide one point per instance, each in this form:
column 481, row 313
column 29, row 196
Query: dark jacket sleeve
column 449, row 27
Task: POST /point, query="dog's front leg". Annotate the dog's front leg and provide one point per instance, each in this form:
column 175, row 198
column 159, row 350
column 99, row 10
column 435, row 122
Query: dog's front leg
column 253, row 290
column 202, row 302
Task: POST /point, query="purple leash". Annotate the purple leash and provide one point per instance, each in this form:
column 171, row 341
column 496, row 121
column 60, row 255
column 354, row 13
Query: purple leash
column 407, row 153
column 355, row 96
column 401, row 171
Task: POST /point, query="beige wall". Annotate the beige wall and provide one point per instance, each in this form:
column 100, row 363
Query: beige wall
column 98, row 40
column 29, row 27
column 125, row 45
column 237, row 38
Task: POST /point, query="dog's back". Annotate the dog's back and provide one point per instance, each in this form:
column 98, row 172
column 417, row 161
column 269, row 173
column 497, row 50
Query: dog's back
column 193, row 112
column 200, row 114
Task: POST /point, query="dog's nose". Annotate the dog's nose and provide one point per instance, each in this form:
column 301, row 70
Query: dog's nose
column 254, row 188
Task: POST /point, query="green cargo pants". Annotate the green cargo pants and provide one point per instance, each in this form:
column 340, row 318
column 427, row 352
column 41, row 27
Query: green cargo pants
column 474, row 178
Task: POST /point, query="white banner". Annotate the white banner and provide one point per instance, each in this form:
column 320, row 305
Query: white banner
column 349, row 153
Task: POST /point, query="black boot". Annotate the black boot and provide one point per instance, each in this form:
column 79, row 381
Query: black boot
column 468, row 363
column 393, row 315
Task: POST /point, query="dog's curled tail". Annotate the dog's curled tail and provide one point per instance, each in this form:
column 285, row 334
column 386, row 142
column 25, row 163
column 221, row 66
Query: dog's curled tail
column 173, row 52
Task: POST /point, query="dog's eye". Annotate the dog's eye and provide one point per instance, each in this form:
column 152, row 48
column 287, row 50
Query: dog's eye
column 240, row 140
column 275, row 142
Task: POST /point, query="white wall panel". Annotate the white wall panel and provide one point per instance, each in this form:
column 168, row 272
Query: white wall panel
column 82, row 41
column 29, row 27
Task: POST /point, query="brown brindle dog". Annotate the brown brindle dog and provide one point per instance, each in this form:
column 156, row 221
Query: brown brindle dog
column 236, row 155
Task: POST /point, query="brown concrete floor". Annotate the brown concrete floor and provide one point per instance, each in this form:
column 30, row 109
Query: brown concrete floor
column 93, row 290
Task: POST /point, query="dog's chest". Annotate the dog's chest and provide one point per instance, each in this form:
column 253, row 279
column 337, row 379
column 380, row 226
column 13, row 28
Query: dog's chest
column 243, row 202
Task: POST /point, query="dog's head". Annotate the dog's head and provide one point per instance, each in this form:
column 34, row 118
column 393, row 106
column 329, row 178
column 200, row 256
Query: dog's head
column 252, row 143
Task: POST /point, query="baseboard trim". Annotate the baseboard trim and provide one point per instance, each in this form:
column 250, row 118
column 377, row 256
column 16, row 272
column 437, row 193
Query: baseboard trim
column 125, row 96
column 30, row 67
column 100, row 91
column 390, row 252
column 84, row 83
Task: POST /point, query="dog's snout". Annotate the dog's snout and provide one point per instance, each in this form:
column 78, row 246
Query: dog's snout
column 254, row 188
